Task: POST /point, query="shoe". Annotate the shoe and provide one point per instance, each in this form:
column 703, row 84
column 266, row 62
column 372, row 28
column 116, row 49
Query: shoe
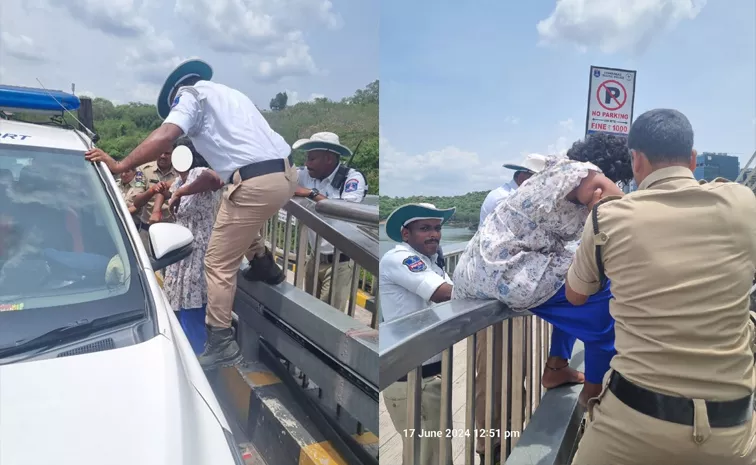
column 265, row 269
column 221, row 349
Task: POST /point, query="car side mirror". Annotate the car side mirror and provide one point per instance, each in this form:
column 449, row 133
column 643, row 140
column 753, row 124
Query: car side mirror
column 170, row 243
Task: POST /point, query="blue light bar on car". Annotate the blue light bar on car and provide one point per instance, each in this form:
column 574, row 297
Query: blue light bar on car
column 29, row 99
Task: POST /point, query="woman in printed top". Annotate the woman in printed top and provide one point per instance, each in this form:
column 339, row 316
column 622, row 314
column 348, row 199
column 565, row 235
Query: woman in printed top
column 522, row 252
column 192, row 199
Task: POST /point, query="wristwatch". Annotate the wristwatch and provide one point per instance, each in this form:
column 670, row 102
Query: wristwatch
column 313, row 193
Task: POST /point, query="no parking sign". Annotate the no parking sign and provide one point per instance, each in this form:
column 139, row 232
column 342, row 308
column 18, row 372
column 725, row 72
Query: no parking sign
column 611, row 95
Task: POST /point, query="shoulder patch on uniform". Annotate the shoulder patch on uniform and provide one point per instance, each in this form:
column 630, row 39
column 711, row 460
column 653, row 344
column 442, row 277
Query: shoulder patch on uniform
column 175, row 101
column 351, row 185
column 414, row 263
column 139, row 179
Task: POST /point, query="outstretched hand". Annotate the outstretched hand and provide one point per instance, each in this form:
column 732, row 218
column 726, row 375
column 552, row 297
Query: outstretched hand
column 95, row 155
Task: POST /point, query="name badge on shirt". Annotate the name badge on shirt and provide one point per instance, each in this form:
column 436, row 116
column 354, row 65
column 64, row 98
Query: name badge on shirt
column 414, row 264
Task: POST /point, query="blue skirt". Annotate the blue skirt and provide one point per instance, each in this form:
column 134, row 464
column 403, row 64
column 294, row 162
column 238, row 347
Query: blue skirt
column 192, row 321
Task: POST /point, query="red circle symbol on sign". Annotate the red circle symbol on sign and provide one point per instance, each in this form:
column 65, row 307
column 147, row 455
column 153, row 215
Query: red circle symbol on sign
column 610, row 96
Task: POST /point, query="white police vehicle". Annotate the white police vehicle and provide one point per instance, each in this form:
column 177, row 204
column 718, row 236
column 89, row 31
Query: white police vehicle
column 94, row 366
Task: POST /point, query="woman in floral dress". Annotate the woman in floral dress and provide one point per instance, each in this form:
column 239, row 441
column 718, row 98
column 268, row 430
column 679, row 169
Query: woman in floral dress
column 193, row 196
column 521, row 253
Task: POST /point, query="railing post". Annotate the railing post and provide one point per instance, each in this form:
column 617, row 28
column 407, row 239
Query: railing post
column 414, row 393
column 301, row 271
column 447, row 363
column 470, row 404
column 490, row 392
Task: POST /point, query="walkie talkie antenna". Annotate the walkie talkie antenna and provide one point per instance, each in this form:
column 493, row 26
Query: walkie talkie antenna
column 349, row 163
column 91, row 134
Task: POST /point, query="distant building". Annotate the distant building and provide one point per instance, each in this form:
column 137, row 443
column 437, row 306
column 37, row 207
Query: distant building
column 710, row 166
column 752, row 182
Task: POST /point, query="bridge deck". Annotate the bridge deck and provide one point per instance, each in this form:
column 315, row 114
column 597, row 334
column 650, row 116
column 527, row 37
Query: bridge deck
column 390, row 440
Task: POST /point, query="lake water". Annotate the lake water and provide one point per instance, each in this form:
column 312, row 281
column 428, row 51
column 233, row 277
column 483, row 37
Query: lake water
column 449, row 235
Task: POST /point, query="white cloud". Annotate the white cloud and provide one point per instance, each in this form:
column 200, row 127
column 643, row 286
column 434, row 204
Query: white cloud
column 614, row 25
column 120, row 18
column 567, row 125
column 293, row 97
column 559, row 147
column 271, row 32
column 135, row 44
column 151, row 60
column 21, row 47
column 295, row 60
column 86, row 93
column 448, row 171
column 566, row 137
column 511, row 120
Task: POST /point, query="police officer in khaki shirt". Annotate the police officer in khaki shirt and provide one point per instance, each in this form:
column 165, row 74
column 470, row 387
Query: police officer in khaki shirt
column 129, row 188
column 154, row 175
column 680, row 256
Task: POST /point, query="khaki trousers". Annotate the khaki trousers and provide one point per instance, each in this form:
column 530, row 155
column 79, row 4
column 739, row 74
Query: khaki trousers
column 325, row 272
column 619, row 435
column 481, row 344
column 244, row 210
column 395, row 397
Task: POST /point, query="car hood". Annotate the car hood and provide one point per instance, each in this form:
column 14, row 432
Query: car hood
column 134, row 405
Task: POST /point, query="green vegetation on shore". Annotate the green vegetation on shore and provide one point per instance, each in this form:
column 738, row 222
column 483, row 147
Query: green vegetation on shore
column 468, row 206
column 122, row 127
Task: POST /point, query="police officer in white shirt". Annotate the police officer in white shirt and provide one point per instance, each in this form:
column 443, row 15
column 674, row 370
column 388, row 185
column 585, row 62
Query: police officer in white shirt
column 324, row 177
column 238, row 144
column 412, row 278
column 533, row 163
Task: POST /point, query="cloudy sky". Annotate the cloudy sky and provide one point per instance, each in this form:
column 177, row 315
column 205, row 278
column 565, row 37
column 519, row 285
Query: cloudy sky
column 123, row 49
column 465, row 90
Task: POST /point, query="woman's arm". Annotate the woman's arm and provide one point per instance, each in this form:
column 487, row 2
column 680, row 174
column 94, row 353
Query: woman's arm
column 208, row 180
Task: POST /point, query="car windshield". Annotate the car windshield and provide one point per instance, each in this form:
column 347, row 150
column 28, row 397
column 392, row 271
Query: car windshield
column 64, row 256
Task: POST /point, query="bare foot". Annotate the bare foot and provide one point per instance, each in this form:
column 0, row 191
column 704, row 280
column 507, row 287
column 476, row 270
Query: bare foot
column 558, row 372
column 590, row 390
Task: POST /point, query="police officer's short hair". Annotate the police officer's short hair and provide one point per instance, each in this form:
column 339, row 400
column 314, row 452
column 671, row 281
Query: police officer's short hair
column 663, row 135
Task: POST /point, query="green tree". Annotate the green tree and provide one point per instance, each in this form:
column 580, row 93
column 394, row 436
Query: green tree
column 468, row 206
column 279, row 102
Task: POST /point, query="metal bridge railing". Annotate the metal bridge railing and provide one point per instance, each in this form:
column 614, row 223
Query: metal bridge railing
column 324, row 348
column 407, row 342
column 351, row 228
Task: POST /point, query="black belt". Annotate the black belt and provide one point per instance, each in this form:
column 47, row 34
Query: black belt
column 143, row 226
column 429, row 370
column 724, row 414
column 262, row 168
column 328, row 258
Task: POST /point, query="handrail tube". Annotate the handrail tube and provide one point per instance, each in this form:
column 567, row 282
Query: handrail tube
column 407, row 342
column 348, row 211
column 348, row 238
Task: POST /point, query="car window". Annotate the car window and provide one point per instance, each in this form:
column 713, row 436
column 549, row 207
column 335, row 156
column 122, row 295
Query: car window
column 64, row 254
